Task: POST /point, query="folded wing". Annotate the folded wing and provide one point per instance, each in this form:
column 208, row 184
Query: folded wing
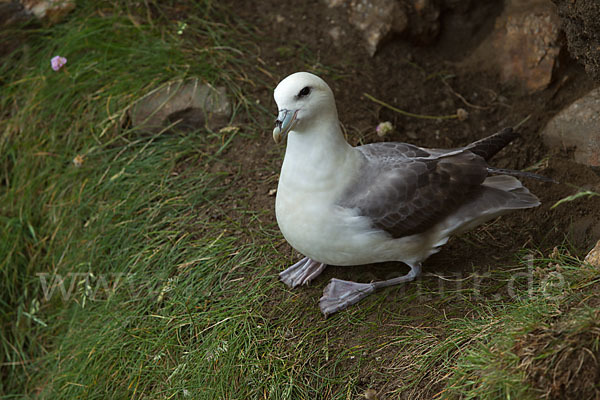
column 406, row 190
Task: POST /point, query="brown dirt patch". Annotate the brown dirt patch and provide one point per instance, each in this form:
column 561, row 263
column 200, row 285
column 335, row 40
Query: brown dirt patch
column 581, row 23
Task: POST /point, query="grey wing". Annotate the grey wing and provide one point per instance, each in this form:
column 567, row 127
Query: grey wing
column 405, row 190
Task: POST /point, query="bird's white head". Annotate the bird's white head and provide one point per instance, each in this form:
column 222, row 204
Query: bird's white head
column 303, row 99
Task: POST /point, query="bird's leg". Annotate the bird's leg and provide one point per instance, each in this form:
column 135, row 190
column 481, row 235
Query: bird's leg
column 415, row 271
column 302, row 272
column 340, row 294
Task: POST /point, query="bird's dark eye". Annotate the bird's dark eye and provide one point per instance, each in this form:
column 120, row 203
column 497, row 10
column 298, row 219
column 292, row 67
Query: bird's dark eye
column 304, row 92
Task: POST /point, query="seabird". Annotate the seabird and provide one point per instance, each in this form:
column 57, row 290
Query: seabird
column 343, row 205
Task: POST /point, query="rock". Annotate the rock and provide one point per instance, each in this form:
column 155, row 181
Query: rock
column 376, row 19
column 49, row 11
column 195, row 104
column 581, row 24
column 578, row 127
column 593, row 257
column 524, row 45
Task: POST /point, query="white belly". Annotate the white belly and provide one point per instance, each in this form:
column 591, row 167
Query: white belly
column 321, row 232
column 334, row 235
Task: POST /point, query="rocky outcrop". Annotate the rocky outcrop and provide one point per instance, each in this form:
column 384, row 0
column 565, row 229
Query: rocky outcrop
column 187, row 105
column 577, row 127
column 379, row 20
column 525, row 43
column 49, row 11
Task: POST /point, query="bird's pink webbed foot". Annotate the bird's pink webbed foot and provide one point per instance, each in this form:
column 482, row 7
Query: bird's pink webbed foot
column 302, row 272
column 339, row 294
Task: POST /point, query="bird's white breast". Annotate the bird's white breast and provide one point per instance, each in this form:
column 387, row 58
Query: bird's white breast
column 309, row 216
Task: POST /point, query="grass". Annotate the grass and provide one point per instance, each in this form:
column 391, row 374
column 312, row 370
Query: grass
column 493, row 367
column 131, row 276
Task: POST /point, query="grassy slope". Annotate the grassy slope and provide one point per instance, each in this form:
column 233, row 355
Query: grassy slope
column 177, row 303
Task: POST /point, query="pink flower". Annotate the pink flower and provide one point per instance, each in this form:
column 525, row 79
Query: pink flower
column 58, row 62
column 384, row 128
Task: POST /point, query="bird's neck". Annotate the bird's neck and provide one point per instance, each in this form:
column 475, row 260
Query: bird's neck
column 318, row 158
column 325, row 138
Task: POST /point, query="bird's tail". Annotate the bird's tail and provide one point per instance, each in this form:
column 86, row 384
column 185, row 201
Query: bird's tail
column 522, row 174
column 498, row 195
column 489, row 146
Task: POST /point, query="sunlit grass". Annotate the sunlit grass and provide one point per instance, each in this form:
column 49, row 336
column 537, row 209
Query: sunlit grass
column 125, row 209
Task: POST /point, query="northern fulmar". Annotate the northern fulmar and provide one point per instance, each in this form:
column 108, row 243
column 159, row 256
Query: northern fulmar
column 343, row 205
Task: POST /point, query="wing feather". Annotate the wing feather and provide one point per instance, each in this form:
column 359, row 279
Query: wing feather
column 406, row 190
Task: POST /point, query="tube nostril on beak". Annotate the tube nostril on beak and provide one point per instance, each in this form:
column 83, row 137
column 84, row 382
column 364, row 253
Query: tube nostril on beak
column 285, row 122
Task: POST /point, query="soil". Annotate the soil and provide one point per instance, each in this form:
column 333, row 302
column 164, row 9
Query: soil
column 581, row 23
column 293, row 36
column 408, row 77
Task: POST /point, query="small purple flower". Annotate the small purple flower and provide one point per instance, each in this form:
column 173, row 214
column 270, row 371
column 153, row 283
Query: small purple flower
column 58, row 62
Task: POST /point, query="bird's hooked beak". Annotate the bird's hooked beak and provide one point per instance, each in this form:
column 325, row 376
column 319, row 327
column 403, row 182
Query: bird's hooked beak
column 285, row 122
